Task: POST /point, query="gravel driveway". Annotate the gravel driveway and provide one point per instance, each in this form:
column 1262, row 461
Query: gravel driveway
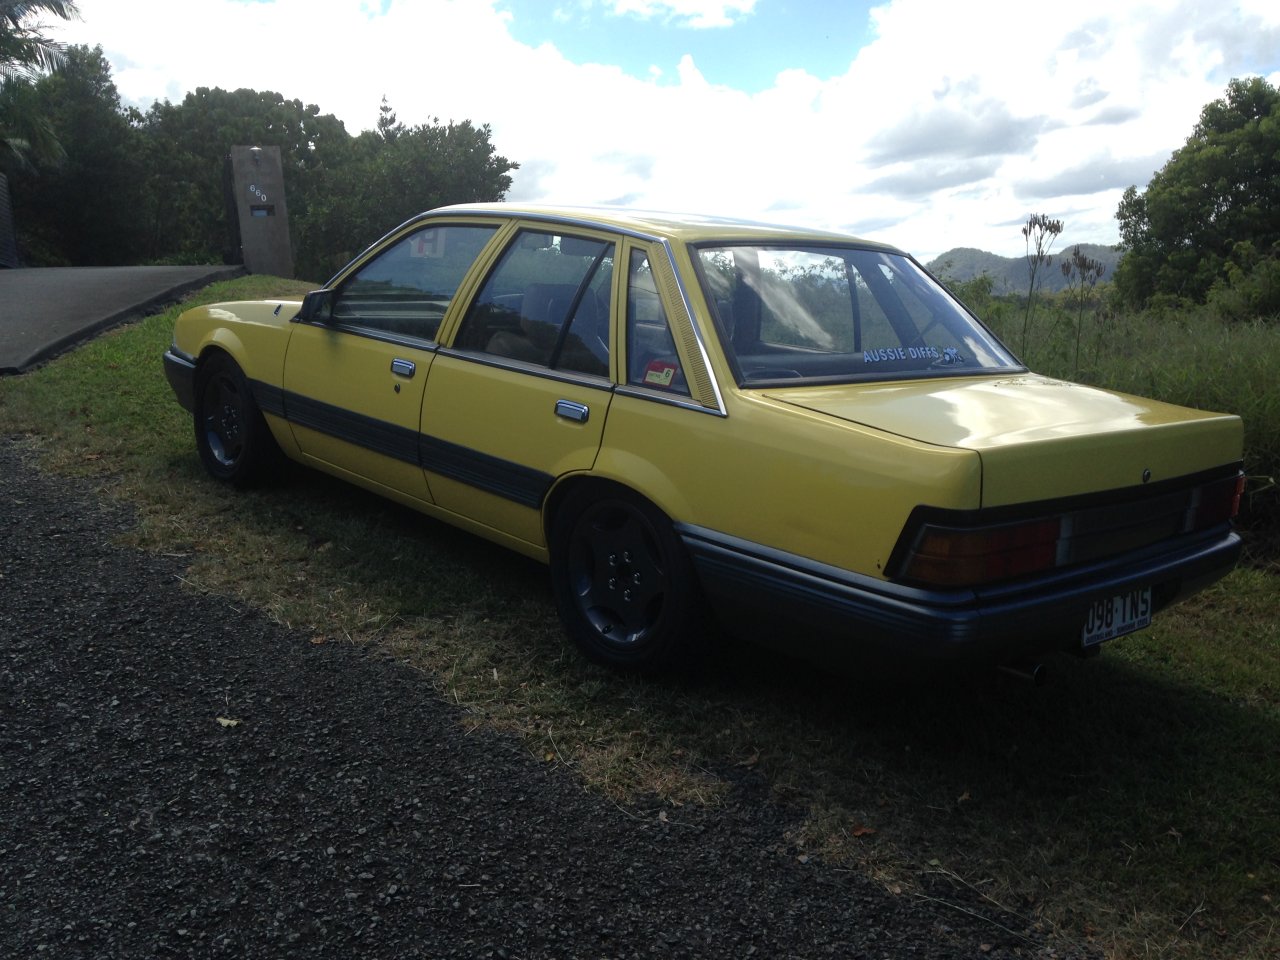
column 180, row 777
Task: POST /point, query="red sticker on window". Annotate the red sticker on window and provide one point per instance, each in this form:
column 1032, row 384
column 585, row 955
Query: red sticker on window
column 660, row 373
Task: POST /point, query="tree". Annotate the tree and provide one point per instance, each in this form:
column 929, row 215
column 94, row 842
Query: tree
column 388, row 126
column 189, row 143
column 85, row 209
column 150, row 187
column 25, row 55
column 1221, row 189
column 343, row 192
column 389, row 176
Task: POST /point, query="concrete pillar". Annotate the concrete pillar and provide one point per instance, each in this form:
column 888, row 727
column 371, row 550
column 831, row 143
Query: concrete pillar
column 258, row 187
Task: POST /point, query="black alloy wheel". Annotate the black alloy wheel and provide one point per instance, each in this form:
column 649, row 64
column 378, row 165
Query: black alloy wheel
column 624, row 585
column 234, row 440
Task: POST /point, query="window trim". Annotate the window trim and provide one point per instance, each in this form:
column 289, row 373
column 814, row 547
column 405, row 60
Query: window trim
column 558, row 374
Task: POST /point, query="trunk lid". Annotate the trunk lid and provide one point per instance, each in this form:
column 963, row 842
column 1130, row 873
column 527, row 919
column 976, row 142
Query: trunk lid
column 1038, row 438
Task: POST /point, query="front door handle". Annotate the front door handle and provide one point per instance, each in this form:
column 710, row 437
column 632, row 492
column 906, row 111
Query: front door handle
column 577, row 412
column 403, row 368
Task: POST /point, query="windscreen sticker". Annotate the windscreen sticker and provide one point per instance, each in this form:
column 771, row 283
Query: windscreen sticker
column 944, row 356
column 660, row 373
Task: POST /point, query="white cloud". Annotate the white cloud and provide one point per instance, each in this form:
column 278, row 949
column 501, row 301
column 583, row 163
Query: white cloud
column 699, row 14
column 943, row 132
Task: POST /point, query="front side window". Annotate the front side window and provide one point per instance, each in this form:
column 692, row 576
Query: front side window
column 835, row 314
column 407, row 288
column 547, row 303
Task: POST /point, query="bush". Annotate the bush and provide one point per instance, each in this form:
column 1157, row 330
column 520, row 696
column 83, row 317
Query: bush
column 1251, row 288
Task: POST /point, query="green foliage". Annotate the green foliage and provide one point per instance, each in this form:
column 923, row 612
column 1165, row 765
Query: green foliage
column 1221, row 188
column 188, row 145
column 25, row 54
column 27, row 137
column 151, row 187
column 90, row 207
column 389, row 176
column 1250, row 286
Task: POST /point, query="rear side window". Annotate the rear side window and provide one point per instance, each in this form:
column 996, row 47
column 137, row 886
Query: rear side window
column 547, row 303
column 651, row 352
column 407, row 288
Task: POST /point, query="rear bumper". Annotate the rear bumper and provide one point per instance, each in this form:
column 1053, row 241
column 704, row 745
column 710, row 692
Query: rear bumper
column 180, row 370
column 823, row 612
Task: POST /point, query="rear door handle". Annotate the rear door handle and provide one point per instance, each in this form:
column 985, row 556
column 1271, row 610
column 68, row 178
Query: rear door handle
column 577, row 412
column 403, row 368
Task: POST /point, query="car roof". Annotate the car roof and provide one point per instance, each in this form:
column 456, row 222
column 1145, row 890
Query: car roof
column 685, row 227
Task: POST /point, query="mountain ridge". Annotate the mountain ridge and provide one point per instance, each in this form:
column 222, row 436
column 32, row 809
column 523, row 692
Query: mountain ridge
column 1010, row 273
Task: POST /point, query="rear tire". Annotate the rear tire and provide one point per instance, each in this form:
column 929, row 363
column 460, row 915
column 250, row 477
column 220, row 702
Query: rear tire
column 624, row 585
column 235, row 443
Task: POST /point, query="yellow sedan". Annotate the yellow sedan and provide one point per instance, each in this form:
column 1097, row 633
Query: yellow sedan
column 797, row 432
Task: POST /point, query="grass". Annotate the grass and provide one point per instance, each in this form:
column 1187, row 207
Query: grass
column 1131, row 804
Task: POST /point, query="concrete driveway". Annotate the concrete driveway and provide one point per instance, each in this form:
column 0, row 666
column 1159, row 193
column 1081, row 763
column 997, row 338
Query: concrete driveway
column 46, row 310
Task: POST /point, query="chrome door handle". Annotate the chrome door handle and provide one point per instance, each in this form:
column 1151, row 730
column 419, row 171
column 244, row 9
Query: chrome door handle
column 577, row 412
column 403, row 368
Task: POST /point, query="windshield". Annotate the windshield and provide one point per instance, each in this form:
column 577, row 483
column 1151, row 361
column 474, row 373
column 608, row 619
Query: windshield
column 789, row 315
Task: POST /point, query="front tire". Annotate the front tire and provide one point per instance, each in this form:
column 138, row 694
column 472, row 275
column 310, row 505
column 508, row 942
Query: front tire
column 624, row 585
column 234, row 441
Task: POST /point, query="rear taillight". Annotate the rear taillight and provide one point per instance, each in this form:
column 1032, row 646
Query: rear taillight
column 1219, row 502
column 967, row 554
column 960, row 557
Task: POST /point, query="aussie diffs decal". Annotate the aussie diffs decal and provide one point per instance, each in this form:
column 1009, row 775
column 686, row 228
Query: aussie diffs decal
column 947, row 355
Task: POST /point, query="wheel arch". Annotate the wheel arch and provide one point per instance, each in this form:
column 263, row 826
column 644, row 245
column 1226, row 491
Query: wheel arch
column 254, row 333
column 667, row 498
column 224, row 343
column 639, row 475
column 564, row 488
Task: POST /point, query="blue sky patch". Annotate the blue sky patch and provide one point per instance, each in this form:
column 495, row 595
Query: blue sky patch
column 819, row 37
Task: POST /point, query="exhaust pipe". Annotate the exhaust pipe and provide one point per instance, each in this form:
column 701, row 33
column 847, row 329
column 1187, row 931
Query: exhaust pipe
column 1034, row 673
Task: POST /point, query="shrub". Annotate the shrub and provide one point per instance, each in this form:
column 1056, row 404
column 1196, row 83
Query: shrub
column 1251, row 288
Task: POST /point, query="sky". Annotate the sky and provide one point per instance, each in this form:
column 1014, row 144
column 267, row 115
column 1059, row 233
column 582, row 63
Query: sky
column 929, row 124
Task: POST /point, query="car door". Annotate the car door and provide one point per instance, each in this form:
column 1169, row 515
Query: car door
column 354, row 376
column 521, row 395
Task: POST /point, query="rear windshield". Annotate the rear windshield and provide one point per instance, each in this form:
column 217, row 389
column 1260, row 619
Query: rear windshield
column 788, row 315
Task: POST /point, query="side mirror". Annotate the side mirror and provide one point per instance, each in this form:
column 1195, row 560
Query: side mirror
column 317, row 307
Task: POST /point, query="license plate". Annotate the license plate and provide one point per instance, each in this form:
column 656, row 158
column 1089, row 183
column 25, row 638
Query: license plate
column 1115, row 616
